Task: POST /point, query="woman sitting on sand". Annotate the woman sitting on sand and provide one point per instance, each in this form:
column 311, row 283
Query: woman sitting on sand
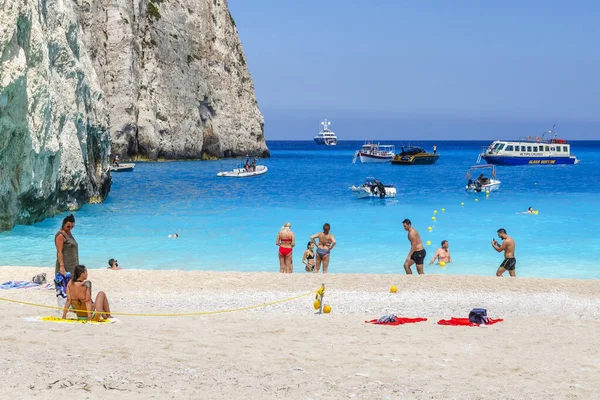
column 79, row 298
column 308, row 259
column 286, row 240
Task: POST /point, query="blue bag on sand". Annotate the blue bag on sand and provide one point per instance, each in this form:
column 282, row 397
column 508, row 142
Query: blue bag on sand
column 60, row 283
column 478, row 316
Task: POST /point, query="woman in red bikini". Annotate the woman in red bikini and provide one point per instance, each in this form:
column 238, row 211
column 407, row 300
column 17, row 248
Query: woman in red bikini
column 286, row 240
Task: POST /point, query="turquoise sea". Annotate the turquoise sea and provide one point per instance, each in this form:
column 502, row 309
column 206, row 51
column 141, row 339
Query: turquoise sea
column 230, row 224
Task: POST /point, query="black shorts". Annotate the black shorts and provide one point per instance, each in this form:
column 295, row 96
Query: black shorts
column 509, row 264
column 418, row 256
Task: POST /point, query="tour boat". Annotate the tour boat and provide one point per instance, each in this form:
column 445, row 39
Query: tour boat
column 485, row 182
column 243, row 173
column 413, row 155
column 122, row 167
column 375, row 153
column 546, row 149
column 373, row 189
column 326, row 136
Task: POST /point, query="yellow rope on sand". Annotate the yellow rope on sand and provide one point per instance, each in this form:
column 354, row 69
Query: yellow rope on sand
column 169, row 314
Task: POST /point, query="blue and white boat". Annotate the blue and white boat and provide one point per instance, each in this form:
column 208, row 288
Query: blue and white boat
column 546, row 149
column 326, row 136
column 375, row 153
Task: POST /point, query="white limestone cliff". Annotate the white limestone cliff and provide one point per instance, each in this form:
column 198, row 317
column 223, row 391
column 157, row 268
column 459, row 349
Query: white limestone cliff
column 168, row 79
column 175, row 78
column 54, row 138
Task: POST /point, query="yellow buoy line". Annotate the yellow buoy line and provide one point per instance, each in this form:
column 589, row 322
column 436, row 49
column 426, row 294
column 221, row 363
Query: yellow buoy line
column 190, row 314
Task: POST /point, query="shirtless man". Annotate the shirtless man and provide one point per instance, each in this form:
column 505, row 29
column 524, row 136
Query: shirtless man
column 324, row 247
column 508, row 246
column 442, row 254
column 417, row 252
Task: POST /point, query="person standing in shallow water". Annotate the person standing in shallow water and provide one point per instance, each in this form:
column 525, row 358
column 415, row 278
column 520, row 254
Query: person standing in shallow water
column 67, row 250
column 442, row 254
column 286, row 240
column 508, row 246
column 326, row 244
column 417, row 252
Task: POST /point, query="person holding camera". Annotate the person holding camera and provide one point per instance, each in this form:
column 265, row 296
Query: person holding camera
column 508, row 247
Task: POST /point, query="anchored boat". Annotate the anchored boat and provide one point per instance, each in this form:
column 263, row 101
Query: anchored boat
column 374, row 153
column 244, row 172
column 326, row 136
column 122, row 167
column 485, row 182
column 373, row 188
column 546, row 149
column 414, row 155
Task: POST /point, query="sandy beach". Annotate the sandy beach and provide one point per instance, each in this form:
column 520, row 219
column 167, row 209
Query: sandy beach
column 548, row 347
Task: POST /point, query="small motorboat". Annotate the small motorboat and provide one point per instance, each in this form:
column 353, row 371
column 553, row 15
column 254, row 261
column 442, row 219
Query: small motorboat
column 244, row 173
column 122, row 167
column 413, row 155
column 373, row 188
column 484, row 182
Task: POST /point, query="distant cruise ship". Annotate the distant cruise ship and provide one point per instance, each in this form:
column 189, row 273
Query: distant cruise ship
column 326, row 136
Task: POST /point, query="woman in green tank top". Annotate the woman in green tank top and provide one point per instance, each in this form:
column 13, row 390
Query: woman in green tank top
column 67, row 251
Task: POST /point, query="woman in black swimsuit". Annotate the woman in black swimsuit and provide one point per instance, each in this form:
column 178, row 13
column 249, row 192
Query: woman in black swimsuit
column 309, row 257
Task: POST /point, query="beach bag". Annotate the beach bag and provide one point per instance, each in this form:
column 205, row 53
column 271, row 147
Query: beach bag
column 387, row 318
column 60, row 283
column 40, row 279
column 478, row 316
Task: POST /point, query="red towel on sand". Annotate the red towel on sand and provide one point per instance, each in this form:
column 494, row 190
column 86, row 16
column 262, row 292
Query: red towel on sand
column 399, row 321
column 465, row 322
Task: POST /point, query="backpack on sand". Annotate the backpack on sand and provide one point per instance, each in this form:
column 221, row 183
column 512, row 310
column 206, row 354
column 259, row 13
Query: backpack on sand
column 478, row 316
column 40, row 279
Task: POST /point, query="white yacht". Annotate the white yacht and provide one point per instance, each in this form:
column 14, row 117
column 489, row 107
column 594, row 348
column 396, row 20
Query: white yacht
column 326, row 136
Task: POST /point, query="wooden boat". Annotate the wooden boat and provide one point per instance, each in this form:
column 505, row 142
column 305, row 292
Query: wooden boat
column 374, row 153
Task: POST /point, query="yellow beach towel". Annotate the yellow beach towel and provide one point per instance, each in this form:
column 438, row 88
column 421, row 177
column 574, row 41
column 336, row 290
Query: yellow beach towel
column 72, row 321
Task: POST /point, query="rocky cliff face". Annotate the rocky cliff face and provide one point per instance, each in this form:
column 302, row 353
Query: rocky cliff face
column 54, row 137
column 175, row 78
column 167, row 78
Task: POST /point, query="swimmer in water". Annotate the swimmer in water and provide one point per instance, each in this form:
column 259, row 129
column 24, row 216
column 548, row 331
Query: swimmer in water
column 530, row 210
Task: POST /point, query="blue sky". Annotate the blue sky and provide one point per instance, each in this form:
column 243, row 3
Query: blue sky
column 423, row 69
